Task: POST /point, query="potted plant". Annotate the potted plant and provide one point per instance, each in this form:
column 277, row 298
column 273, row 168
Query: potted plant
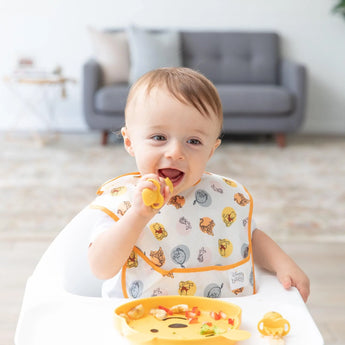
column 340, row 8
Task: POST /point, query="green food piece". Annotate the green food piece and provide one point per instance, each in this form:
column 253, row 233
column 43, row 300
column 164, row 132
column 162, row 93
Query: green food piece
column 218, row 330
column 211, row 330
column 206, row 330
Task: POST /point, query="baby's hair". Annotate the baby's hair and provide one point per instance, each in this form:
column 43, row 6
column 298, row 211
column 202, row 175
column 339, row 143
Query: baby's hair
column 186, row 85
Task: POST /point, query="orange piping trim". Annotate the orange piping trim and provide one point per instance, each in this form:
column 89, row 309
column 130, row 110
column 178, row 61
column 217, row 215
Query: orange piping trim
column 123, row 280
column 188, row 270
column 197, row 182
column 105, row 210
column 100, row 192
column 250, row 236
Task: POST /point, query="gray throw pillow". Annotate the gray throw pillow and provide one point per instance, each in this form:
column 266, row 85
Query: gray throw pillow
column 151, row 50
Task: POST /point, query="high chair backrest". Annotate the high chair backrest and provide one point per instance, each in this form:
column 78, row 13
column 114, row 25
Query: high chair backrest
column 64, row 266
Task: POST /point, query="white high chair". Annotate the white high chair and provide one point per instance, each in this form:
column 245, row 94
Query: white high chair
column 63, row 305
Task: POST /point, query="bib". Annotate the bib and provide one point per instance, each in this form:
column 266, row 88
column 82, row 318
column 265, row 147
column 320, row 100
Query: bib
column 198, row 244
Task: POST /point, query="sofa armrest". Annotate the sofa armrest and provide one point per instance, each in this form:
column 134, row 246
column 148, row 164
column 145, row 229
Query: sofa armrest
column 92, row 81
column 293, row 76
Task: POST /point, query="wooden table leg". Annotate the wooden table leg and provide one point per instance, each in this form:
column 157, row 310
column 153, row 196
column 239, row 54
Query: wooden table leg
column 104, row 140
column 280, row 139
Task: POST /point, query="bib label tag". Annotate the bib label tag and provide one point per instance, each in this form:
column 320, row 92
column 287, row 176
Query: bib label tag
column 237, row 278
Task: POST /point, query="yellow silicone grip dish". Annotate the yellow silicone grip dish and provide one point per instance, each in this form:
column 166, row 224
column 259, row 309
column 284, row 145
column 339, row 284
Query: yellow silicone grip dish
column 176, row 329
column 154, row 198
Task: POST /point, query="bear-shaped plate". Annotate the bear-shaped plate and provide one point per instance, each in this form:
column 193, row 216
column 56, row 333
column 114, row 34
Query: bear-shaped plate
column 173, row 320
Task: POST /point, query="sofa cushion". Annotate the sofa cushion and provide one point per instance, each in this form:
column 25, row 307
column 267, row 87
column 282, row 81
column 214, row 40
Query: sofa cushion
column 112, row 53
column 232, row 57
column 239, row 99
column 111, row 98
column 152, row 49
column 255, row 99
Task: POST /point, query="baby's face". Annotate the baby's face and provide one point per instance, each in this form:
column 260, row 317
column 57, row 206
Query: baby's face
column 169, row 138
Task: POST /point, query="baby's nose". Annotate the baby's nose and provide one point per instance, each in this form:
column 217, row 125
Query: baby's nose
column 175, row 151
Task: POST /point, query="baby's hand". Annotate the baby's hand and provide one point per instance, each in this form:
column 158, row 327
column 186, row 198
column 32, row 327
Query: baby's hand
column 154, row 198
column 152, row 193
column 297, row 278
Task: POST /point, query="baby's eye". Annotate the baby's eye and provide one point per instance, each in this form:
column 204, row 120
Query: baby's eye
column 194, row 141
column 158, row 137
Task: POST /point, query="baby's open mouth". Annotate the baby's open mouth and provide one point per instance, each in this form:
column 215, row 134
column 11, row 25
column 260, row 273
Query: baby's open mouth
column 174, row 175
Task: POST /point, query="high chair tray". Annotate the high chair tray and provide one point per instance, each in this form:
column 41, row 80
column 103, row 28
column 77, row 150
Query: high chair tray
column 70, row 319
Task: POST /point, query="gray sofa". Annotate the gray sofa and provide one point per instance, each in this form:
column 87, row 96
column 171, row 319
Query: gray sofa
column 260, row 91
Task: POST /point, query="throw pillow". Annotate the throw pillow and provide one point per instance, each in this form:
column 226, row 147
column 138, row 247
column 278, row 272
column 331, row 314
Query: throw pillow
column 112, row 53
column 152, row 49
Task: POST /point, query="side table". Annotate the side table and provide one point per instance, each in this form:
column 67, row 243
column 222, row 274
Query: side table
column 38, row 95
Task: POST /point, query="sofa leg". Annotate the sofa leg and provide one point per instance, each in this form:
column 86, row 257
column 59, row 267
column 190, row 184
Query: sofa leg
column 280, row 139
column 104, row 139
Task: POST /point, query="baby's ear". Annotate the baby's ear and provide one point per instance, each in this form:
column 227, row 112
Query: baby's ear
column 217, row 143
column 127, row 141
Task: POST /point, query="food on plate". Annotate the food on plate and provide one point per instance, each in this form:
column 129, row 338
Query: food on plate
column 209, row 329
column 159, row 314
column 179, row 309
column 137, row 312
column 192, row 315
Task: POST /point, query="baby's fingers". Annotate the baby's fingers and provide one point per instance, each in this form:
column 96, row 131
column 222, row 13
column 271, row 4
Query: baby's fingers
column 304, row 290
column 302, row 285
column 286, row 281
column 167, row 194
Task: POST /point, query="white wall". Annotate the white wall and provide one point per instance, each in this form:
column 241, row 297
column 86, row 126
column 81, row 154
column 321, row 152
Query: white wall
column 54, row 32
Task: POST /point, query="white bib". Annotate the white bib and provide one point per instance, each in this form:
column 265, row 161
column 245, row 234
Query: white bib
column 198, row 244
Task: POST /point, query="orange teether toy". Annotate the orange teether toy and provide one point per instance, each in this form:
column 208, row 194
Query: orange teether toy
column 273, row 324
column 154, row 198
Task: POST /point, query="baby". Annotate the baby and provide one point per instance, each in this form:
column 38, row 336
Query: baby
column 202, row 239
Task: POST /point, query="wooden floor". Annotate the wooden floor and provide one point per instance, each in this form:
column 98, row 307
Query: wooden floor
column 324, row 263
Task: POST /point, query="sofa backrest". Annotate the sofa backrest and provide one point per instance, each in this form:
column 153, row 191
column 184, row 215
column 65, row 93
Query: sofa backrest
column 232, row 57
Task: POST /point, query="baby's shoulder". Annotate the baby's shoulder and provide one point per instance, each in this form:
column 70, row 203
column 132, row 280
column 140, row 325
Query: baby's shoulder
column 114, row 196
column 215, row 180
column 119, row 185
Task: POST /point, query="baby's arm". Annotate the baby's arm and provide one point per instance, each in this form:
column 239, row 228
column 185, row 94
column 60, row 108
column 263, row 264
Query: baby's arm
column 110, row 250
column 268, row 255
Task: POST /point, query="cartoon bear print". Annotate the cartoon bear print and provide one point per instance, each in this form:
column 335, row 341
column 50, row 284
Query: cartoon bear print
column 132, row 260
column 225, row 247
column 187, row 288
column 117, row 191
column 229, row 216
column 230, row 183
column 158, row 231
